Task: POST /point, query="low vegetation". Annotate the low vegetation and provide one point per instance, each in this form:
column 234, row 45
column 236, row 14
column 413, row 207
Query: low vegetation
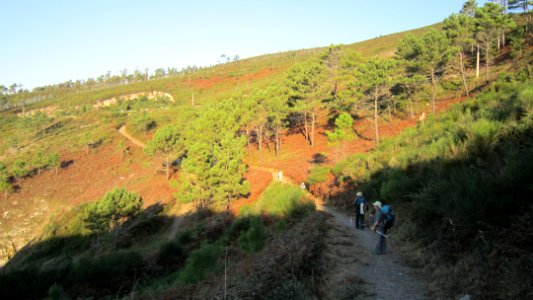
column 451, row 176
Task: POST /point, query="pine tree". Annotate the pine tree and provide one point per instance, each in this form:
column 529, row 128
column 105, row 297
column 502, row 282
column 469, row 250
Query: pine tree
column 278, row 109
column 38, row 161
column 490, row 21
column 459, row 30
column 19, row 169
column 167, row 141
column 258, row 101
column 53, row 160
column 343, row 129
column 469, row 8
column 305, row 90
column 214, row 166
column 426, row 55
column 375, row 78
column 5, row 184
column 523, row 5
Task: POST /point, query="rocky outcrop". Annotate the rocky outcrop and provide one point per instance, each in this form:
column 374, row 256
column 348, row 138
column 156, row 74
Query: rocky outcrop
column 154, row 95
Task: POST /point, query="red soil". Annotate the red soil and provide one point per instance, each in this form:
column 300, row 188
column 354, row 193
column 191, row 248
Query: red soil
column 259, row 180
column 296, row 157
column 206, row 83
column 90, row 176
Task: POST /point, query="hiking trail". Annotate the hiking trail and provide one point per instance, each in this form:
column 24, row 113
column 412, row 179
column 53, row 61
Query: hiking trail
column 352, row 271
column 123, row 132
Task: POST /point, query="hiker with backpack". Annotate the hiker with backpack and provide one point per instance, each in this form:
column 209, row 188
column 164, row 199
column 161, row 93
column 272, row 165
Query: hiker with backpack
column 359, row 210
column 383, row 221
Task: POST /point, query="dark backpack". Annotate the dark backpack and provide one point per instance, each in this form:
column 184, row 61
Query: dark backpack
column 387, row 216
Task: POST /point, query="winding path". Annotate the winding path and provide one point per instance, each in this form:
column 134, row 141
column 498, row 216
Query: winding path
column 123, row 132
column 376, row 276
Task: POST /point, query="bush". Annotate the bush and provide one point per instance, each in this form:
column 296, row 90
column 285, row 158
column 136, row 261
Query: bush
column 113, row 266
column 170, row 252
column 253, row 239
column 279, row 199
column 200, row 263
column 318, row 175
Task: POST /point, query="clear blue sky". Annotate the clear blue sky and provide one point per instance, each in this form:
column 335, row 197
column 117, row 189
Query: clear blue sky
column 45, row 42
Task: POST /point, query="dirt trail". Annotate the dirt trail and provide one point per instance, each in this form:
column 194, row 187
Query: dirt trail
column 125, row 133
column 376, row 276
column 353, row 272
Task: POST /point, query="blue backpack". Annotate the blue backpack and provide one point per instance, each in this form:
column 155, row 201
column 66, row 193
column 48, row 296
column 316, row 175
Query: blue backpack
column 387, row 216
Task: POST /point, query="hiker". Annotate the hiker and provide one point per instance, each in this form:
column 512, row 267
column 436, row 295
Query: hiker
column 280, row 176
column 359, row 209
column 377, row 226
column 302, row 186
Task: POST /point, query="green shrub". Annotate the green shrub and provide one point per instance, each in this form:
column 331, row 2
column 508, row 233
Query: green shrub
column 200, row 263
column 318, row 174
column 253, row 239
column 108, row 267
column 56, row 292
column 170, row 252
column 279, row 199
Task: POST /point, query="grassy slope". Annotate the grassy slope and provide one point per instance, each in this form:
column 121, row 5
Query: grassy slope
column 210, row 84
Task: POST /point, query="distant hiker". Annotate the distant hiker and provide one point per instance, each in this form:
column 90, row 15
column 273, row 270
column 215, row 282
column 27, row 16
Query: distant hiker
column 280, row 176
column 377, row 226
column 302, row 186
column 359, row 209
column 422, row 118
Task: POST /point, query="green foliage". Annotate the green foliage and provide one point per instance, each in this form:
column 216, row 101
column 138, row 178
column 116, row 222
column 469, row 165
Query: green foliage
column 107, row 267
column 214, row 166
column 39, row 160
column 459, row 165
column 200, row 263
column 53, row 160
column 254, row 238
column 167, row 141
column 56, row 292
column 318, row 174
column 304, row 85
column 170, row 252
column 282, row 200
column 19, row 169
column 343, row 129
column 5, row 185
column 116, row 206
column 142, row 123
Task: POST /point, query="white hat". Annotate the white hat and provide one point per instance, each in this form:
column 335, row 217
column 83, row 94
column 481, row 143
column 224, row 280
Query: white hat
column 359, row 194
column 377, row 203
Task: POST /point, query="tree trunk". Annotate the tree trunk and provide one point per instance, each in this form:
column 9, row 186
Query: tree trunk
column 433, row 90
column 478, row 54
column 260, row 141
column 168, row 166
column 487, row 59
column 463, row 73
column 499, row 42
column 248, row 139
column 376, row 115
column 306, row 130
column 277, row 141
column 313, row 120
column 411, row 114
column 503, row 38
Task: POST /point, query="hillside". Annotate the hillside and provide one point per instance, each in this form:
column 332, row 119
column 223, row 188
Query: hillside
column 189, row 186
column 69, row 120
